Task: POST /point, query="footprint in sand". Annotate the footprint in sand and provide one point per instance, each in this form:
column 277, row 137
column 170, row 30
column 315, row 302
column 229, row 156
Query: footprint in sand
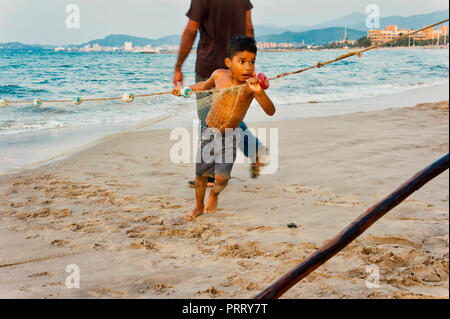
column 260, row 228
column 245, row 250
column 39, row 274
column 59, row 243
column 100, row 292
column 115, row 154
column 153, row 220
column 136, row 232
column 211, row 292
column 241, row 283
column 295, row 188
column 159, row 289
column 144, row 244
column 393, row 240
column 338, row 202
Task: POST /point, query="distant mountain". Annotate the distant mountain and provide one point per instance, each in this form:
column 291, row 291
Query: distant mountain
column 357, row 21
column 313, row 37
column 265, row 30
column 353, row 21
column 117, row 40
column 168, row 40
column 298, row 28
column 416, row 21
column 261, row 30
column 17, row 46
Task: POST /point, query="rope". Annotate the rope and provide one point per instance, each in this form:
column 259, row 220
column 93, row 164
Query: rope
column 92, row 99
column 318, row 65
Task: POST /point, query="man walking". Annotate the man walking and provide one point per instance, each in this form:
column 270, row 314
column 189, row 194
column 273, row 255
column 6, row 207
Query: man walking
column 218, row 21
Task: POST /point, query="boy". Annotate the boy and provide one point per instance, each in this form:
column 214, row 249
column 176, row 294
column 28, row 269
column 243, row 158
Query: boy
column 228, row 109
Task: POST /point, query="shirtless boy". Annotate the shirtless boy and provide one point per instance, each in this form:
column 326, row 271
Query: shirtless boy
column 228, row 109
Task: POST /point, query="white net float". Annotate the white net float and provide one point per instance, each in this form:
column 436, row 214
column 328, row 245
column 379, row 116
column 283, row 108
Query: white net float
column 77, row 100
column 4, row 102
column 127, row 98
column 37, row 102
column 186, row 92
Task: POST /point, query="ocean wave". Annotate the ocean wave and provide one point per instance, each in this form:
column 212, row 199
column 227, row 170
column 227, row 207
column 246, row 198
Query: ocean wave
column 19, row 91
column 350, row 93
column 12, row 128
column 63, row 76
column 439, row 67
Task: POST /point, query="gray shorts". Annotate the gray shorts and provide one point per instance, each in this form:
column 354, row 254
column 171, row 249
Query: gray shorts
column 216, row 154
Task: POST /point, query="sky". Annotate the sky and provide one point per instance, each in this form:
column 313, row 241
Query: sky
column 44, row 21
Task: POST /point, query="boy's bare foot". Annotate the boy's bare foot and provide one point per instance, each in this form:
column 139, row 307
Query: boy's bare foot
column 194, row 214
column 213, row 200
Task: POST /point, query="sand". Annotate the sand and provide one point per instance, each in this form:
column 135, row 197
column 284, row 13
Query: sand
column 115, row 210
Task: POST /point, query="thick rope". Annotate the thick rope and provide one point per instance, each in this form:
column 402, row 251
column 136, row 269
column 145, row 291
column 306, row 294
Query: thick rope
column 318, row 65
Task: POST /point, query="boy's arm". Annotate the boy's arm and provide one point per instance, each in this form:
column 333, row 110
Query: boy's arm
column 199, row 86
column 205, row 85
column 265, row 102
column 261, row 96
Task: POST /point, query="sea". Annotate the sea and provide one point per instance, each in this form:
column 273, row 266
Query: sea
column 31, row 136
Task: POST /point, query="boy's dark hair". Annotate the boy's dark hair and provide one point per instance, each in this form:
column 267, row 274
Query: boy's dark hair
column 241, row 43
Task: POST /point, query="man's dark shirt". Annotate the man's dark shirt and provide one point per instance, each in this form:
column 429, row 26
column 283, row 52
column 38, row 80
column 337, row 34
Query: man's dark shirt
column 220, row 21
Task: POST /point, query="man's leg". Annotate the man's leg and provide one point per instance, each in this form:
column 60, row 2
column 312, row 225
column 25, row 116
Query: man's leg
column 252, row 148
column 249, row 143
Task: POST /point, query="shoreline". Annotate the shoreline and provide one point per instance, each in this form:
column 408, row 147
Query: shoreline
column 45, row 146
column 441, row 47
column 430, row 47
column 116, row 209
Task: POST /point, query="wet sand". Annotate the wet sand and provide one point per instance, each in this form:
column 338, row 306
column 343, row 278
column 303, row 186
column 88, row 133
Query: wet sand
column 116, row 210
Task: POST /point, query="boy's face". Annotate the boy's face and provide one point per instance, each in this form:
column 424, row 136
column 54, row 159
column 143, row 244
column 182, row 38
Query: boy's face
column 242, row 65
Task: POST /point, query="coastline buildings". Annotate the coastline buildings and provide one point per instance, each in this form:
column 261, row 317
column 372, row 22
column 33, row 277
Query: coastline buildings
column 392, row 31
column 128, row 46
column 274, row 45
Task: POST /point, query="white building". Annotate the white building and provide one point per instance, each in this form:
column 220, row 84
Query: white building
column 128, row 46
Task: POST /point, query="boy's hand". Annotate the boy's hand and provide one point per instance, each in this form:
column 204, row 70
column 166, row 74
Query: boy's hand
column 253, row 84
column 176, row 91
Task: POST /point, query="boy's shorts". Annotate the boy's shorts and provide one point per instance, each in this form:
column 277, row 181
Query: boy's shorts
column 216, row 154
